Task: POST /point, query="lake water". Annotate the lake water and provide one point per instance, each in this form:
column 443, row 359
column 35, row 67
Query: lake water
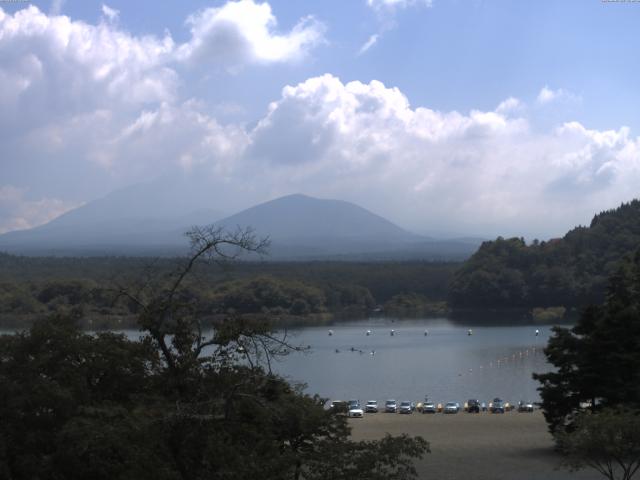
column 447, row 364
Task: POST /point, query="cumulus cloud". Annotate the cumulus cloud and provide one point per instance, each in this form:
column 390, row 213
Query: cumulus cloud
column 547, row 96
column 97, row 100
column 17, row 212
column 101, row 102
column 244, row 32
column 54, row 68
column 474, row 171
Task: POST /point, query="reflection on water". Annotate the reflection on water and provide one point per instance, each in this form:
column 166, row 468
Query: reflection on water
column 448, row 364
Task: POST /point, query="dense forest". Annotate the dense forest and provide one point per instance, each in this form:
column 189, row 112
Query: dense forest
column 292, row 291
column 571, row 271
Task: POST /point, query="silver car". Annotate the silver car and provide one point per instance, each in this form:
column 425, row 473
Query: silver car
column 451, row 407
column 406, row 407
column 391, row 406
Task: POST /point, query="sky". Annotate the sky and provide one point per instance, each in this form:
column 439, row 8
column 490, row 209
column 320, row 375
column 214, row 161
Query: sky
column 450, row 117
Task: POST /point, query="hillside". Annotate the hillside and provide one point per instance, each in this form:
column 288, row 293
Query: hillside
column 141, row 221
column 148, row 217
column 571, row 271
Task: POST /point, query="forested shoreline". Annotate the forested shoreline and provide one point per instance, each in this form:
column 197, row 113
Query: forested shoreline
column 542, row 281
column 292, row 292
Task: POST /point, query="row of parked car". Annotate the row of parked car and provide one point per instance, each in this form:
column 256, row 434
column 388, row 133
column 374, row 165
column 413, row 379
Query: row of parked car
column 352, row 408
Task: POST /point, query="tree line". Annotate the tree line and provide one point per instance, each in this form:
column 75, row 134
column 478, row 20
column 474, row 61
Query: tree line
column 571, row 271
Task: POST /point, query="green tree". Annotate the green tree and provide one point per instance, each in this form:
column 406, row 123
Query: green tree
column 597, row 361
column 180, row 403
column 608, row 442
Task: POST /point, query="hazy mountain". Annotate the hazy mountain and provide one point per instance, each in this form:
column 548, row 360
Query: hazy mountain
column 153, row 215
column 144, row 220
column 303, row 227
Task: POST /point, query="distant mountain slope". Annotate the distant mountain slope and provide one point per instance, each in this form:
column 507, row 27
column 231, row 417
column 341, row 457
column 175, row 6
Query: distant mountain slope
column 142, row 221
column 130, row 220
column 571, row 271
column 302, row 217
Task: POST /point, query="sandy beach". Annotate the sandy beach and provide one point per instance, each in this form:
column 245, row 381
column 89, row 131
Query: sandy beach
column 476, row 446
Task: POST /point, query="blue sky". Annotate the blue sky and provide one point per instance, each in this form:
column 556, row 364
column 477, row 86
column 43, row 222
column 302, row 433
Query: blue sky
column 484, row 117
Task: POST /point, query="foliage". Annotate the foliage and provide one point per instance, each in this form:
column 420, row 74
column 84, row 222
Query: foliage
column 608, row 442
column 598, row 360
column 31, row 287
column 178, row 403
column 570, row 271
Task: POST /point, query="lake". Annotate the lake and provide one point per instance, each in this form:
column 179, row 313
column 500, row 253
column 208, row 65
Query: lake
column 447, row 364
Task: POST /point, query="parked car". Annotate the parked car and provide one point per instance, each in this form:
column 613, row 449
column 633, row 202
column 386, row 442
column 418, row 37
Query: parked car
column 452, row 407
column 525, row 406
column 473, row 406
column 407, row 407
column 355, row 410
column 339, row 406
column 428, row 407
column 497, row 406
column 391, row 406
column 371, row 406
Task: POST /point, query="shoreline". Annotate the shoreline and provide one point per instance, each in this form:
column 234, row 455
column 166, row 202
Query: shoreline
column 480, row 446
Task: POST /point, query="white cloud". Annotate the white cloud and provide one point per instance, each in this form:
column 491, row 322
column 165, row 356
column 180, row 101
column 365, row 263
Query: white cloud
column 244, row 32
column 510, row 105
column 97, row 100
column 369, row 43
column 471, row 172
column 547, row 96
column 386, row 13
column 111, row 13
column 397, row 4
column 17, row 212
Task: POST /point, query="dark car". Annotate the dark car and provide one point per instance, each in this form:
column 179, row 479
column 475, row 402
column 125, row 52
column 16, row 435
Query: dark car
column 497, row 406
column 473, row 406
column 340, row 407
column 525, row 406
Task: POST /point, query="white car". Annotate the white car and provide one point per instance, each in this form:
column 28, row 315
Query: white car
column 355, row 411
column 371, row 406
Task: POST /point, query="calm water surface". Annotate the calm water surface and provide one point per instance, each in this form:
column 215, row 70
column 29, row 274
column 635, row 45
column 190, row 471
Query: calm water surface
column 446, row 365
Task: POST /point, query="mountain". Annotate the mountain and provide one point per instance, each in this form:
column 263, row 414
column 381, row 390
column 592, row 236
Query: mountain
column 141, row 221
column 307, row 228
column 144, row 218
column 571, row 271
